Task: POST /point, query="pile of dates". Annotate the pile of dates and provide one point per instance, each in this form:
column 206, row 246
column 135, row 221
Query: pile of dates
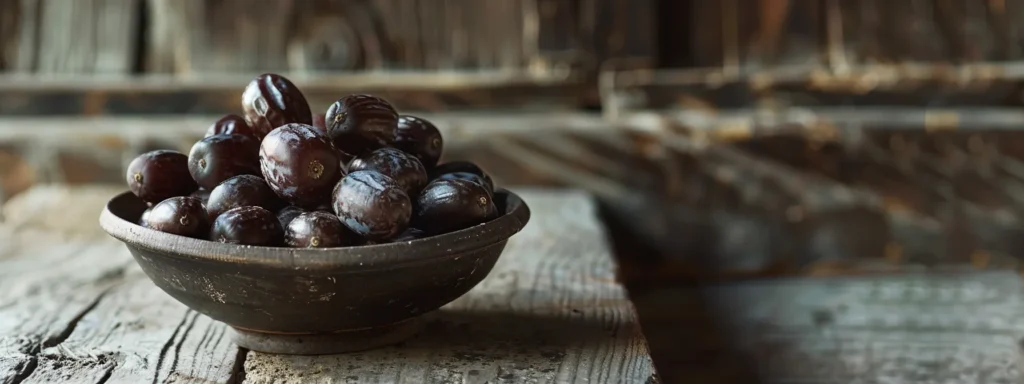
column 281, row 176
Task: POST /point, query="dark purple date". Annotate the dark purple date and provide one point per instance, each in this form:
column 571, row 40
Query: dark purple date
column 247, row 226
column 300, row 165
column 420, row 138
column 181, row 215
column 230, row 125
column 404, row 168
column 158, row 175
column 359, row 124
column 372, row 205
column 318, row 230
column 220, row 157
column 270, row 101
column 447, row 205
column 241, row 191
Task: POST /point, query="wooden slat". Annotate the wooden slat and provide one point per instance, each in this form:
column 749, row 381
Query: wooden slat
column 77, row 37
column 75, row 307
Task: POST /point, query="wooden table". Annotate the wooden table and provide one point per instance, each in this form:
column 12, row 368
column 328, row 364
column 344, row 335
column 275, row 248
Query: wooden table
column 74, row 307
column 948, row 328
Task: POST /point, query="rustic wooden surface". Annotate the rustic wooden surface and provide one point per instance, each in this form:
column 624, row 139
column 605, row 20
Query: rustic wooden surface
column 914, row 328
column 74, row 307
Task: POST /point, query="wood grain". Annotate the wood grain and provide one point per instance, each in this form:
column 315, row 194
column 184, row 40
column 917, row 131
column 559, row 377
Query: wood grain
column 78, row 37
column 74, row 307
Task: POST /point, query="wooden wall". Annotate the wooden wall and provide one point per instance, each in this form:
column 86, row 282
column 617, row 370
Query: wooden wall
column 217, row 36
column 758, row 33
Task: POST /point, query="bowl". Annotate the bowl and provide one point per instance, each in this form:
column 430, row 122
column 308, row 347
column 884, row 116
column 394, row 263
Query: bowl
column 316, row 301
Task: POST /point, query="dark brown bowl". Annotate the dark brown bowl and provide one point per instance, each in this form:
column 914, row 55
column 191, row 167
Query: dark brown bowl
column 314, row 301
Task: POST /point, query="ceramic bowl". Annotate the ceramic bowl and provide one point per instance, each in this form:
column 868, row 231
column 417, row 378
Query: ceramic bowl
column 316, row 301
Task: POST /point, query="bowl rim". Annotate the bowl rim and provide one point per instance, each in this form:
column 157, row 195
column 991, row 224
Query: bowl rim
column 424, row 250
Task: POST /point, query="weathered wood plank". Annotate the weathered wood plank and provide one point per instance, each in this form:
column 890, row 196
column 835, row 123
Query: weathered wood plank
column 935, row 328
column 550, row 311
column 74, row 307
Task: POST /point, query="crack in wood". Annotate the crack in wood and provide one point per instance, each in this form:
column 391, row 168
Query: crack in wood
column 177, row 348
column 167, row 346
column 238, row 369
column 107, row 373
column 26, row 370
column 54, row 340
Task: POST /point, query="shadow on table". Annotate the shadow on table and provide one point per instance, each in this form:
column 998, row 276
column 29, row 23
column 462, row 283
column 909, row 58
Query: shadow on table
column 689, row 341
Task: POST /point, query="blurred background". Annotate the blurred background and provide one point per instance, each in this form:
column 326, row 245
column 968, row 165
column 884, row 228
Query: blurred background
column 728, row 141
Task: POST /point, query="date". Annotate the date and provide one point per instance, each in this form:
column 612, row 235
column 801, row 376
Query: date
column 271, row 101
column 359, row 124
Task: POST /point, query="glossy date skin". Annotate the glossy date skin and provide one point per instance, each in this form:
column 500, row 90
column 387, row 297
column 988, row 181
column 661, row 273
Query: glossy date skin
column 220, row 157
column 448, row 205
column 318, row 230
column 158, row 175
column 404, row 168
column 372, row 205
column 270, row 101
column 300, row 165
column 359, row 124
column 420, row 138
column 230, row 125
column 182, row 215
column 247, row 226
column 241, row 191
column 144, row 219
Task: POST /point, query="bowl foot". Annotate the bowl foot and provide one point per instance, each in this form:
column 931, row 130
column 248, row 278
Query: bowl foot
column 326, row 343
